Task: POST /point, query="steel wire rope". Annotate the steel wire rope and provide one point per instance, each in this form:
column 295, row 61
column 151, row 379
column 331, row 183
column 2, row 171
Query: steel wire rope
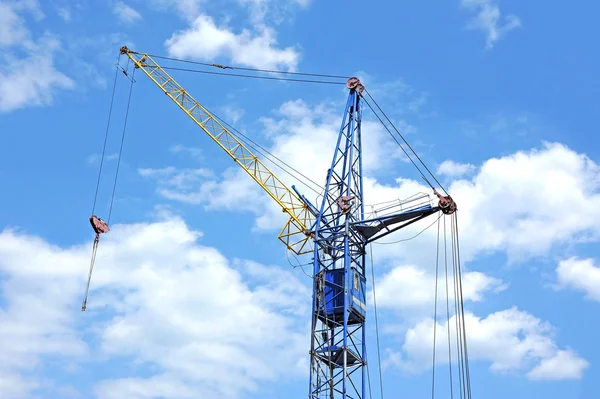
column 406, row 142
column 121, row 148
column 368, row 375
column 437, row 268
column 396, row 140
column 463, row 329
column 300, row 265
column 448, row 312
column 459, row 348
column 376, row 323
column 410, row 238
column 112, row 100
column 246, row 68
column 258, row 148
column 240, row 75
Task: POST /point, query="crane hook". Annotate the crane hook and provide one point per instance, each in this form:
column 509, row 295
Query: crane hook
column 99, row 227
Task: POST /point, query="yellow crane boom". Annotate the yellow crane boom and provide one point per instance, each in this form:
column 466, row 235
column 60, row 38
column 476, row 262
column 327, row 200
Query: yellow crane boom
column 295, row 234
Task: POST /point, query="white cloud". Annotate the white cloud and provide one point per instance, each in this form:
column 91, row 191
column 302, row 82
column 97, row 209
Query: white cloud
column 412, row 288
column 581, row 275
column 206, row 41
column 159, row 300
column 95, row 158
column 33, row 79
column 64, row 13
column 526, row 202
column 511, row 340
column 564, row 365
column 195, row 152
column 277, row 9
column 179, row 184
column 125, row 13
column 232, row 114
column 188, row 9
column 487, row 20
column 455, row 169
column 12, row 26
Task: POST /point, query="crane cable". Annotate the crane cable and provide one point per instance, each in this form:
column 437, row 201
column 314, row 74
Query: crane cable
column 463, row 377
column 376, row 323
column 406, row 142
column 247, row 141
column 248, row 69
column 107, row 224
column 239, row 75
column 305, row 81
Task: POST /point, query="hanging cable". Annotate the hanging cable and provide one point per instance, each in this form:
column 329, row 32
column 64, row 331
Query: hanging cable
column 413, row 237
column 462, row 330
column 121, row 148
column 99, row 225
column 246, row 68
column 376, row 323
column 300, row 265
column 448, row 312
column 112, row 100
column 239, row 75
column 397, row 142
column 459, row 346
column 247, row 141
column 437, row 268
column 406, row 142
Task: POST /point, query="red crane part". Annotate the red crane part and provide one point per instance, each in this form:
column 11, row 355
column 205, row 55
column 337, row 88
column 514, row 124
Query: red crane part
column 99, row 225
column 446, row 203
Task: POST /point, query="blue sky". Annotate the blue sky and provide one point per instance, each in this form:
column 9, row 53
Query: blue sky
column 193, row 295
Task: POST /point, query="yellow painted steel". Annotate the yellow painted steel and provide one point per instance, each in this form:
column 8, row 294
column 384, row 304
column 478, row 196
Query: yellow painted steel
column 294, row 234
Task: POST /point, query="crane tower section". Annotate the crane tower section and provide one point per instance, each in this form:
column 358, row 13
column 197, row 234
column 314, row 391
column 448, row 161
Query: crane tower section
column 338, row 353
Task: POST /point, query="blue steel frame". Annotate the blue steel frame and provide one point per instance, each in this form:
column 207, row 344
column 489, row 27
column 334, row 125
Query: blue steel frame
column 341, row 234
column 338, row 336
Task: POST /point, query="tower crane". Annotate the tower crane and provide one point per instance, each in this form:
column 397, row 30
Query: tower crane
column 336, row 232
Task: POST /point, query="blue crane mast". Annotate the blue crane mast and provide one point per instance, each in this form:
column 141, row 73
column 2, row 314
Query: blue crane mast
column 341, row 235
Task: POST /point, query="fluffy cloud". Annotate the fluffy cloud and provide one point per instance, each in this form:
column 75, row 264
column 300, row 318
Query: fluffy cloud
column 188, row 9
column 260, row 9
column 526, row 202
column 487, row 19
column 206, row 41
column 160, row 300
column 125, row 13
column 455, row 169
column 411, row 288
column 32, row 79
column 521, row 204
column 511, row 340
column 581, row 275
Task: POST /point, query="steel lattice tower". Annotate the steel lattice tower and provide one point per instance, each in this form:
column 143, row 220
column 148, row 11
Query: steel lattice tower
column 341, row 235
column 339, row 308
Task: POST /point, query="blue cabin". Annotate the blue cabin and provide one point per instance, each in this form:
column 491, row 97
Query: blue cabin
column 334, row 292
